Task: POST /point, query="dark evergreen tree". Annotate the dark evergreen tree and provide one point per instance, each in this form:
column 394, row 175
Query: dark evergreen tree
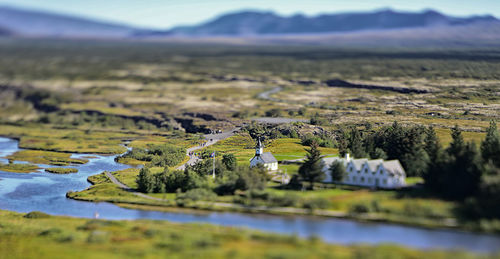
column 229, row 161
column 343, row 144
column 378, row 153
column 490, row 146
column 433, row 176
column 311, row 169
column 462, row 173
column 431, row 144
column 489, row 196
column 337, row 171
column 145, row 181
column 356, row 144
column 416, row 162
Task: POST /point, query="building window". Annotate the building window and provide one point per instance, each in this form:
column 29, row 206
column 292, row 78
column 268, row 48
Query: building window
column 369, row 180
column 362, row 179
column 385, row 181
column 354, row 179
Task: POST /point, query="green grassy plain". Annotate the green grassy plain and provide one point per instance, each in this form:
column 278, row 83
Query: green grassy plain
column 19, row 168
column 45, row 157
column 37, row 235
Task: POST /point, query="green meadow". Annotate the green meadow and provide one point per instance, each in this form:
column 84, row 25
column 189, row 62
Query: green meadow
column 38, row 235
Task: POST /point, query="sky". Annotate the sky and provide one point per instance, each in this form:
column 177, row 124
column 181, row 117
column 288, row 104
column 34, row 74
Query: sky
column 163, row 14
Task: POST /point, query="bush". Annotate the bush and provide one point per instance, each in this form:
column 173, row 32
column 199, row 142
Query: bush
column 198, row 194
column 36, row 215
column 359, row 208
column 273, row 113
column 251, row 178
column 286, row 200
column 316, row 203
column 61, row 170
column 158, row 155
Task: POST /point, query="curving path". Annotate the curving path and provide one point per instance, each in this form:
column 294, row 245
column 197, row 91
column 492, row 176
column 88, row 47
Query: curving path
column 210, row 138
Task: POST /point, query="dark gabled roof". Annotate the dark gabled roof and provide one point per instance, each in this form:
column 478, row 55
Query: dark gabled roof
column 268, row 158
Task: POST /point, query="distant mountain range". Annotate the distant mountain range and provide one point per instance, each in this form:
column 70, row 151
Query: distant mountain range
column 266, row 23
column 384, row 27
column 42, row 24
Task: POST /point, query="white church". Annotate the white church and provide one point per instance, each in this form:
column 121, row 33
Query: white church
column 265, row 158
column 375, row 173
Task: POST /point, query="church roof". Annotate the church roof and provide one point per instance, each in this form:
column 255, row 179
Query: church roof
column 267, row 157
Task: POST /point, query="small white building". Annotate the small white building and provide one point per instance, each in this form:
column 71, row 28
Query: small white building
column 265, row 158
column 371, row 173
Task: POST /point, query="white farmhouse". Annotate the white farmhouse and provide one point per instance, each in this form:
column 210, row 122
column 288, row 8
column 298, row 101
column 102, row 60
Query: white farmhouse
column 371, row 173
column 267, row 159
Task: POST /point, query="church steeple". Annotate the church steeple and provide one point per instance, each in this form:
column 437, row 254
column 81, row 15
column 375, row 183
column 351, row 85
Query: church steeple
column 259, row 149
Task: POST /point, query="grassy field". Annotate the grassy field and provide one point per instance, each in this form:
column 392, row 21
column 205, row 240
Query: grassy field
column 243, row 147
column 37, row 235
column 19, row 168
column 40, row 137
column 45, row 157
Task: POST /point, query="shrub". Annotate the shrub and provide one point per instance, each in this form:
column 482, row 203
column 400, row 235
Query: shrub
column 273, row 113
column 316, row 203
column 359, row 208
column 61, row 170
column 158, row 155
column 287, row 200
column 198, row 194
column 36, row 215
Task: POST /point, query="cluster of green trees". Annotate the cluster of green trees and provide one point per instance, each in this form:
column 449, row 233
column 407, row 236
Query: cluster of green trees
column 323, row 139
column 229, row 178
column 464, row 172
column 158, row 155
column 269, row 131
column 459, row 172
column 407, row 144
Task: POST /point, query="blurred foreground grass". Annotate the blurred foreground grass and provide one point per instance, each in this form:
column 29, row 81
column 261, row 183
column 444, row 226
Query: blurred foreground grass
column 37, row 235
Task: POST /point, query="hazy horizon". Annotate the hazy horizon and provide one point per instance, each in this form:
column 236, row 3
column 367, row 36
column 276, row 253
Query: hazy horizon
column 159, row 14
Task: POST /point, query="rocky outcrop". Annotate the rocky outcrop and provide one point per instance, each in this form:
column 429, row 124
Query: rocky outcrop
column 345, row 84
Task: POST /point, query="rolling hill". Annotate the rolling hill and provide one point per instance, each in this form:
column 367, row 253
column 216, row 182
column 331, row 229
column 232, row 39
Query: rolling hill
column 42, row 24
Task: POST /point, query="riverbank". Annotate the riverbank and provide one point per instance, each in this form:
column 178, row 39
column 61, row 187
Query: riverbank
column 105, row 190
column 39, row 235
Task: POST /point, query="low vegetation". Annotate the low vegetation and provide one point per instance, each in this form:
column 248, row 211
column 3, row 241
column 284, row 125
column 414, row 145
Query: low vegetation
column 19, row 168
column 37, row 235
column 61, row 170
column 45, row 157
column 165, row 155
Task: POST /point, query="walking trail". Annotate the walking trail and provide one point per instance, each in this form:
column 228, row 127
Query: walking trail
column 210, row 138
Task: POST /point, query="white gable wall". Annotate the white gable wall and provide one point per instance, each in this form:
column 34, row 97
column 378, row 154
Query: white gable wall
column 364, row 176
column 258, row 160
